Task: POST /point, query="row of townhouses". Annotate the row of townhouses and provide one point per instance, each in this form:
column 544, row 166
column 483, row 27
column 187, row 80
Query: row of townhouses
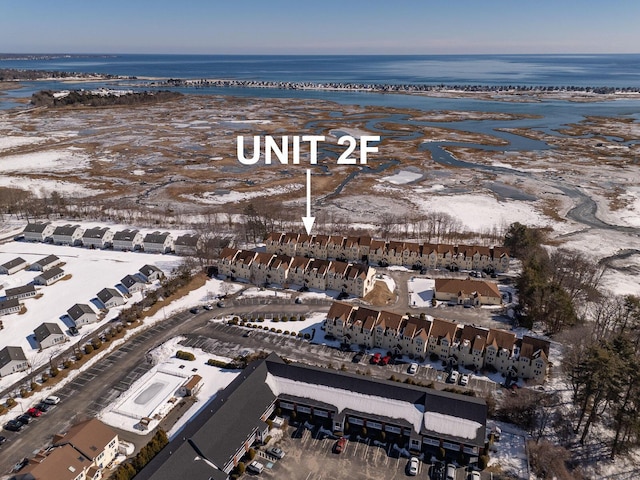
column 410, row 254
column 103, row 237
column 266, row 268
column 468, row 346
column 85, row 452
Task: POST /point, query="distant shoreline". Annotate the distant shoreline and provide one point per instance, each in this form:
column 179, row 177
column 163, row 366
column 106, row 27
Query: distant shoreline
column 514, row 93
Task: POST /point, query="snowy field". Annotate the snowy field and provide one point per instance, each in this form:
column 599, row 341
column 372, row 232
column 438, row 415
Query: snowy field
column 155, row 393
column 89, row 272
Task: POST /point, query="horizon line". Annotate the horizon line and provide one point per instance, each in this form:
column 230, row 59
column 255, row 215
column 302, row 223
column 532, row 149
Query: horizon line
column 320, row 54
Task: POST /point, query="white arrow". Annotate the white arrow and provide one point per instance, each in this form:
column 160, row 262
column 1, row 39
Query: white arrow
column 308, row 220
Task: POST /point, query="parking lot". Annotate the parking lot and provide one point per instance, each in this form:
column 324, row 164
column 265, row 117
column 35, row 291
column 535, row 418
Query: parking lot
column 310, row 456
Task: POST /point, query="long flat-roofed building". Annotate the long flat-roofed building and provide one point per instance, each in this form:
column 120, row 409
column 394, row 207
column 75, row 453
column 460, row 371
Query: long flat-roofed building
column 215, row 441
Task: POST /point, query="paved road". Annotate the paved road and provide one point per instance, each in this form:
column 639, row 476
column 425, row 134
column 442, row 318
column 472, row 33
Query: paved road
column 92, row 390
column 96, row 387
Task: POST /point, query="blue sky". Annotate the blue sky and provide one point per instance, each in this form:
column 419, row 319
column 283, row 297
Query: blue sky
column 320, row 27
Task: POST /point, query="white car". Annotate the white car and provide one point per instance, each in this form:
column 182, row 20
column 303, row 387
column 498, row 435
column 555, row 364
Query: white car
column 413, row 368
column 255, row 467
column 464, row 379
column 52, row 400
column 453, row 376
column 412, row 468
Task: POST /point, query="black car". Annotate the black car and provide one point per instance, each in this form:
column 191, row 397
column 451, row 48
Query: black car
column 25, row 419
column 357, row 357
column 74, row 331
column 43, row 407
column 13, row 426
column 194, row 310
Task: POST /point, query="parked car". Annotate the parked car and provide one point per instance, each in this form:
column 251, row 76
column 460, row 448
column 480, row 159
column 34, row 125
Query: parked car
column 208, row 307
column 2, row 439
column 21, row 464
column 13, row 426
column 464, row 379
column 43, row 407
column 385, row 360
column 413, row 368
column 412, row 466
column 194, row 310
column 34, row 412
column 74, row 331
column 340, row 444
column 453, row 376
column 255, row 467
column 298, row 300
column 376, row 358
column 451, row 472
column 220, row 304
column 24, row 419
column 357, row 357
column 276, row 452
column 52, row 400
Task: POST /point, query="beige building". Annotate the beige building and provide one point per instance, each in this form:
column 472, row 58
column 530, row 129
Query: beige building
column 467, row 346
column 467, row 291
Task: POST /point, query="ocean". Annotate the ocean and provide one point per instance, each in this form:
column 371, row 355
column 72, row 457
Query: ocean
column 523, row 70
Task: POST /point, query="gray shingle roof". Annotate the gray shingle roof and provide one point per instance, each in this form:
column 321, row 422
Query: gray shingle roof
column 8, row 354
column 96, row 232
column 10, row 292
column 52, row 272
column 36, row 227
column 78, row 310
column 67, row 230
column 13, row 302
column 125, row 235
column 47, row 329
column 107, row 294
column 43, row 262
column 14, row 263
column 156, row 237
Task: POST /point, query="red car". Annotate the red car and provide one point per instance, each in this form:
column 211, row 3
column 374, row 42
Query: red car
column 340, row 444
column 34, row 412
column 385, row 360
column 376, row 358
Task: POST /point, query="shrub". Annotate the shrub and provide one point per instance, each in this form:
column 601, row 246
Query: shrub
column 45, row 377
column 441, row 454
column 251, row 453
column 260, row 319
column 285, row 319
column 11, row 402
column 3, row 409
column 54, row 371
column 24, row 393
column 182, row 355
column 88, row 349
column 286, row 332
column 302, row 318
column 307, row 336
column 293, row 334
column 279, row 331
column 273, row 329
column 34, row 386
column 96, row 343
column 241, row 468
column 483, row 461
column 276, row 320
column 300, row 334
column 218, row 363
column 67, row 363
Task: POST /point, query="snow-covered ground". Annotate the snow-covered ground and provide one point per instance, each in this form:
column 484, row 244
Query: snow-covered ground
column 89, row 272
column 213, row 287
column 156, row 392
column 420, row 291
column 401, row 177
column 313, row 321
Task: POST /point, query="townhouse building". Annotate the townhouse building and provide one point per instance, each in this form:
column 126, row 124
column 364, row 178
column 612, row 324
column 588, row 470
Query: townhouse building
column 420, row 337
